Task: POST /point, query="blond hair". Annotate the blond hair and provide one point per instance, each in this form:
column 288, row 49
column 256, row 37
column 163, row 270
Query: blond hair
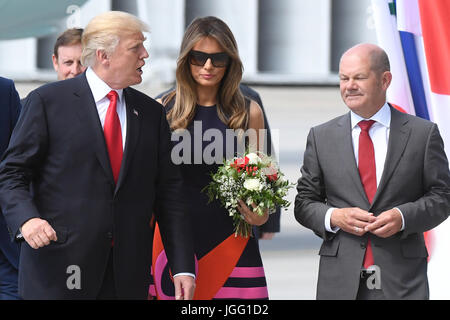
column 231, row 107
column 103, row 32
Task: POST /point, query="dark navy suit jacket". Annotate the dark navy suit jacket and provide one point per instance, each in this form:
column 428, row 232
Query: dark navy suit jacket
column 9, row 251
column 58, row 151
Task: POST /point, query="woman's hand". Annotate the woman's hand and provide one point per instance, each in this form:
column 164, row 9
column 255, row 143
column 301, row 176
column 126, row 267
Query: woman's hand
column 252, row 217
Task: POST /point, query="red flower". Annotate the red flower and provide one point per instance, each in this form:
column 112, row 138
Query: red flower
column 240, row 162
column 271, row 173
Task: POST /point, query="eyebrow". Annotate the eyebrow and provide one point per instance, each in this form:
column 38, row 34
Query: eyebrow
column 138, row 41
column 355, row 75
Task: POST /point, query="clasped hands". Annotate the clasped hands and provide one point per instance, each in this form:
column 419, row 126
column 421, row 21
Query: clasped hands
column 357, row 221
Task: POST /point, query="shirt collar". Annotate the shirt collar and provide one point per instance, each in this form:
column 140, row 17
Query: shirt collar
column 383, row 117
column 98, row 87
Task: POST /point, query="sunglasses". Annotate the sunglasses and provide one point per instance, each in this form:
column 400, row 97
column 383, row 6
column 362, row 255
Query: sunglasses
column 198, row 58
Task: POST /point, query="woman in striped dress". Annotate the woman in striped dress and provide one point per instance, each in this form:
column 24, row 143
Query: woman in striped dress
column 205, row 104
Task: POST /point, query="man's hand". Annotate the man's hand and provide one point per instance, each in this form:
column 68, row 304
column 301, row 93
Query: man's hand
column 352, row 220
column 184, row 287
column 386, row 224
column 38, row 233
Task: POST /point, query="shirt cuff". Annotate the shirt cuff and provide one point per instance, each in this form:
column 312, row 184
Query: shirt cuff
column 328, row 222
column 185, row 274
column 403, row 219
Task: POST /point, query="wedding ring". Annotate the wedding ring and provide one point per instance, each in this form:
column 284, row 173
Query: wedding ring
column 356, row 229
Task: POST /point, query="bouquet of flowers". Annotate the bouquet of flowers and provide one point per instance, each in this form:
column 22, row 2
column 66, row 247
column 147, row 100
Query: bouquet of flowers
column 255, row 179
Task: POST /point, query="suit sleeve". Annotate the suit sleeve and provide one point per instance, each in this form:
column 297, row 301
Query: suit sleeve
column 170, row 208
column 14, row 106
column 310, row 207
column 434, row 206
column 20, row 164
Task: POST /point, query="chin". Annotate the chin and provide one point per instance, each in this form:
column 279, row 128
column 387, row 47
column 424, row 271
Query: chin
column 135, row 81
column 353, row 103
column 207, row 83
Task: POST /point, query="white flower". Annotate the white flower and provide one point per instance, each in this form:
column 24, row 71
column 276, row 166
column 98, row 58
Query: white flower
column 252, row 184
column 253, row 158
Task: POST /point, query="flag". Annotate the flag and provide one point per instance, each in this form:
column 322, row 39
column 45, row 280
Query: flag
column 435, row 26
column 422, row 37
column 388, row 38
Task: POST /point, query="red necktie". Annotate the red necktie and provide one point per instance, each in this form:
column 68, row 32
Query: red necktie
column 367, row 173
column 113, row 135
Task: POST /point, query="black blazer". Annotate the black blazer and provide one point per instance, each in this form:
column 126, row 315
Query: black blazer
column 57, row 168
column 9, row 113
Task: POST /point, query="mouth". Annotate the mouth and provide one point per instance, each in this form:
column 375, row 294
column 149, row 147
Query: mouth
column 207, row 76
column 354, row 95
column 140, row 69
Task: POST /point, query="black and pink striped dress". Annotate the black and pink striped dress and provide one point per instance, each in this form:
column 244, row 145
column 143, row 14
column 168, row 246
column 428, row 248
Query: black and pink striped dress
column 229, row 267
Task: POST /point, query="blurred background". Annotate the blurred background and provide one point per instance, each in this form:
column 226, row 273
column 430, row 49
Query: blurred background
column 290, row 50
column 293, row 42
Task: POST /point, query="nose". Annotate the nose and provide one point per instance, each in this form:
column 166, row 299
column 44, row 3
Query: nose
column 77, row 68
column 145, row 54
column 351, row 85
column 208, row 64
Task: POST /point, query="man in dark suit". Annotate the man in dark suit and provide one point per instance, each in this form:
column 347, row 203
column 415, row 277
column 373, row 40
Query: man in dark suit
column 373, row 180
column 9, row 251
column 87, row 165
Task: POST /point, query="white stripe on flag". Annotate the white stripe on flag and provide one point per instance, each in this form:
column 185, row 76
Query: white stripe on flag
column 389, row 39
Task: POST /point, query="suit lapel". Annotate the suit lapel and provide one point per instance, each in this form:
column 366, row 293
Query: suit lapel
column 88, row 114
column 399, row 133
column 347, row 153
column 133, row 129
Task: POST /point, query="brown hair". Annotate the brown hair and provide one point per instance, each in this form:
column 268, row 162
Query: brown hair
column 230, row 101
column 68, row 38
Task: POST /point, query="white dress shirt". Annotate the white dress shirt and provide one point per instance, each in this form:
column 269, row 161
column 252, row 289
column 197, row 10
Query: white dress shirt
column 99, row 90
column 379, row 133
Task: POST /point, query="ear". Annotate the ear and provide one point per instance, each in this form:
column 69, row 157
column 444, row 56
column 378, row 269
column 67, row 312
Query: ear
column 102, row 57
column 386, row 79
column 55, row 62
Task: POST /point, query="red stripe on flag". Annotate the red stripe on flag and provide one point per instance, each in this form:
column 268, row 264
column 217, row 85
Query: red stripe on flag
column 434, row 17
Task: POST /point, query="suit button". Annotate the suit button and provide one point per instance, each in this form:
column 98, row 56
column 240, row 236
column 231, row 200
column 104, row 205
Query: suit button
column 110, row 235
column 362, row 245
